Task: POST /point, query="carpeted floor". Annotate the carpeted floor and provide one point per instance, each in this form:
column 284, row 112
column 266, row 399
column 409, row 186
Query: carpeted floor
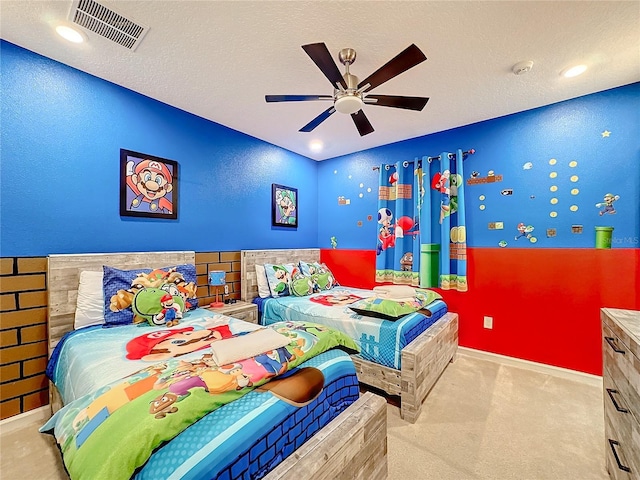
column 483, row 420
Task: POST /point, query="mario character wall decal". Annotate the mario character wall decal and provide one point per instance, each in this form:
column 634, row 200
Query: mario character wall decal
column 607, row 204
column 148, row 186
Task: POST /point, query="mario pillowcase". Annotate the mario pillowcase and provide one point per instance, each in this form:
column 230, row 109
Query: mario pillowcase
column 158, row 297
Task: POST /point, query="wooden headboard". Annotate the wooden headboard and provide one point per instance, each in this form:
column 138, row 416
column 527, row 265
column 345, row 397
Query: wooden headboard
column 249, row 259
column 63, row 274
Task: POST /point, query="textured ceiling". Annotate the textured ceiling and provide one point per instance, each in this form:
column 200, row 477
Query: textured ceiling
column 218, row 59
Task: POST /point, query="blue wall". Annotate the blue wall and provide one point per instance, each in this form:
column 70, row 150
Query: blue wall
column 550, row 138
column 62, row 131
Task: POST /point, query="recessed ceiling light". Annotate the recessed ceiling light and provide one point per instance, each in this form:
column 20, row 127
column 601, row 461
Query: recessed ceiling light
column 315, row 145
column 70, row 34
column 574, row 71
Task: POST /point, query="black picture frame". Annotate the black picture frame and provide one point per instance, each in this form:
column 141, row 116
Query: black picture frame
column 137, row 195
column 284, row 206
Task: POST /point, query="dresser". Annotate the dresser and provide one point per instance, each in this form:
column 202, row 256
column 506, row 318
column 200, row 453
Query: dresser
column 621, row 389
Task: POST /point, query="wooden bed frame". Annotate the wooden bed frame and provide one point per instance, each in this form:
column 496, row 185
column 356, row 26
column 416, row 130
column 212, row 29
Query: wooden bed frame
column 423, row 360
column 352, row 446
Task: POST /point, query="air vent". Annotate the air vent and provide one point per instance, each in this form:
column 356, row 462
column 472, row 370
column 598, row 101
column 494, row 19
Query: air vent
column 107, row 23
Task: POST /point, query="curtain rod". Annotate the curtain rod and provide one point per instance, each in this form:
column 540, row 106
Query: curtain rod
column 451, row 156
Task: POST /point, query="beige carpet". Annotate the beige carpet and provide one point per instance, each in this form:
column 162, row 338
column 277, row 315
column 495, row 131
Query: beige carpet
column 482, row 420
column 486, row 420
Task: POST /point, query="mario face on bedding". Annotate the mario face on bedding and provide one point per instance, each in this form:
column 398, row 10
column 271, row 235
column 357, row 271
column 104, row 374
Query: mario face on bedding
column 163, row 344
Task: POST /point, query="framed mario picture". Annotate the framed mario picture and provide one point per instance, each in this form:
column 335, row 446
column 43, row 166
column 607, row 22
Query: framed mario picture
column 284, row 206
column 148, row 186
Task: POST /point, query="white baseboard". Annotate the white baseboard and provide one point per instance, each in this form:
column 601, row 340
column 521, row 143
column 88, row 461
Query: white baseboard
column 36, row 416
column 593, row 380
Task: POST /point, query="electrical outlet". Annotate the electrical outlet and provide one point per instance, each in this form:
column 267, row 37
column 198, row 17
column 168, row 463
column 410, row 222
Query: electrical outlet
column 226, row 289
column 488, row 322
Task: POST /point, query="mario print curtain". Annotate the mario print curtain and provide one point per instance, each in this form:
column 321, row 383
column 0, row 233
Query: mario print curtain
column 443, row 237
column 398, row 243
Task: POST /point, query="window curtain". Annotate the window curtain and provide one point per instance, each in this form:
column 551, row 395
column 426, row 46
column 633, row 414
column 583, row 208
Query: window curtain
column 398, row 243
column 443, row 237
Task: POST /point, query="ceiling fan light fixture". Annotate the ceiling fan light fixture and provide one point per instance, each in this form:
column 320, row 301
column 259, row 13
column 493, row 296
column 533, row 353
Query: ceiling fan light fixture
column 348, row 103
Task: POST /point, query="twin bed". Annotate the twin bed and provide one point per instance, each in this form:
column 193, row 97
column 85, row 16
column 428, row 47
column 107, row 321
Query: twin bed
column 420, row 362
column 321, row 438
column 335, row 434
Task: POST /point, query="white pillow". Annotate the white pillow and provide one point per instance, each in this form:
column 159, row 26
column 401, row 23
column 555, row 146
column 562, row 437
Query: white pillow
column 90, row 304
column 232, row 350
column 263, row 284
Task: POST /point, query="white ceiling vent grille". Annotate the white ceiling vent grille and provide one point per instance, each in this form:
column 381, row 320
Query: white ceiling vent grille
column 107, row 23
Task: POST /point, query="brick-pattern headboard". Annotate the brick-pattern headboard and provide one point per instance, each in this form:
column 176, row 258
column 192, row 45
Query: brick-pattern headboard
column 249, row 259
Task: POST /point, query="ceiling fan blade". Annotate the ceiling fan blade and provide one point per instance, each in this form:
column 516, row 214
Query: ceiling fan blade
column 408, row 58
column 408, row 103
column 318, row 120
column 362, row 123
column 296, row 98
column 320, row 55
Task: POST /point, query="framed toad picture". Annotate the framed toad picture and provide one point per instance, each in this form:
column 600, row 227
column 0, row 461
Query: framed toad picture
column 148, row 186
column 284, row 206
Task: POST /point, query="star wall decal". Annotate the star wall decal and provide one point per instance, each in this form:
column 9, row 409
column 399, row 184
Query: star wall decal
column 606, row 133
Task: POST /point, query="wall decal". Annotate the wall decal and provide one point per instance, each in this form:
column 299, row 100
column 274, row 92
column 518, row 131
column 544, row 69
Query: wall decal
column 334, row 242
column 490, row 178
column 496, row 225
column 525, row 231
column 369, row 217
column 551, row 232
column 359, row 223
column 507, row 191
column 606, row 134
column 527, row 166
column 607, row 204
column 576, row 229
column 502, row 243
column 148, row 186
column 343, row 201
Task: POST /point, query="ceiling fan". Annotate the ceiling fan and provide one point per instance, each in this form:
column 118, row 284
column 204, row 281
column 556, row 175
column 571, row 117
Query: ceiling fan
column 349, row 95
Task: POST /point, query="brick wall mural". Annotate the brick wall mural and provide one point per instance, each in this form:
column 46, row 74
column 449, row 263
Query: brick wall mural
column 23, row 323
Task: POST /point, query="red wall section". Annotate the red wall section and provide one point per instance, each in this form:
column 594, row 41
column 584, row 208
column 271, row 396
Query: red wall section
column 355, row 268
column 545, row 303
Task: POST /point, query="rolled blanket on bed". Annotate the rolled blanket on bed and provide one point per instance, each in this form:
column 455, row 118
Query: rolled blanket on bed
column 394, row 292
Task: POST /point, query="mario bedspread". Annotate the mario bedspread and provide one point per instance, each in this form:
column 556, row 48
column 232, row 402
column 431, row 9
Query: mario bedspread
column 149, row 384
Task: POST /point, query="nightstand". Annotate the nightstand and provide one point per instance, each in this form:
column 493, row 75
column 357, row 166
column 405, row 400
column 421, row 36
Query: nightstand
column 241, row 310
